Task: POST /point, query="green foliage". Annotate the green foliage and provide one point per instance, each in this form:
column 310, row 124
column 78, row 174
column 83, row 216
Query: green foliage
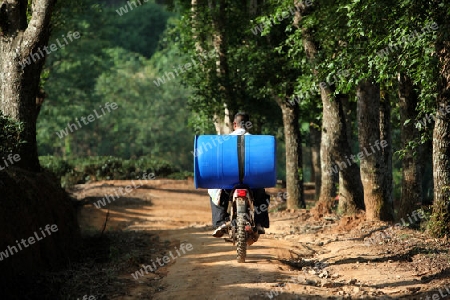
column 181, row 175
column 94, row 168
column 239, row 88
column 131, row 30
column 57, row 166
column 116, row 63
column 120, row 59
column 10, row 132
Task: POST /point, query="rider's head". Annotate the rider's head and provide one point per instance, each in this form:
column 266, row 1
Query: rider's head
column 241, row 120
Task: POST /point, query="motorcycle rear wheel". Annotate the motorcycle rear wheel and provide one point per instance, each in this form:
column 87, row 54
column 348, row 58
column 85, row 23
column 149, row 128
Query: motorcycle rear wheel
column 241, row 239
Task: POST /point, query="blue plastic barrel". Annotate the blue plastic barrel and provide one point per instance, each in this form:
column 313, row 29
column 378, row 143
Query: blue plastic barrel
column 216, row 162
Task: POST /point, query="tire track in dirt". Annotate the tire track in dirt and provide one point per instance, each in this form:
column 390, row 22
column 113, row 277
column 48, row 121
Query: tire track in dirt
column 181, row 214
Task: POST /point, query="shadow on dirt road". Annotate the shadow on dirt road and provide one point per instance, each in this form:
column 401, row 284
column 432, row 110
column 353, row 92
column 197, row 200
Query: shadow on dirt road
column 300, row 257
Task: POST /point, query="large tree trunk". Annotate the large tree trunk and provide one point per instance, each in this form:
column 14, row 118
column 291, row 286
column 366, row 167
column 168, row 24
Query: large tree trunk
column 316, row 174
column 441, row 141
column 29, row 199
column 411, row 196
column 329, row 178
column 222, row 119
column 294, row 167
column 373, row 166
column 350, row 187
column 219, row 11
column 196, row 6
column 19, row 86
column 334, row 140
column 222, row 123
column 349, row 117
column 386, row 152
column 294, row 171
column 334, row 145
column 346, row 206
column 351, row 195
column 300, row 171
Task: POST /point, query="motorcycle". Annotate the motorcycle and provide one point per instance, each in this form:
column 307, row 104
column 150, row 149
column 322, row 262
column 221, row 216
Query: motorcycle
column 241, row 226
column 247, row 159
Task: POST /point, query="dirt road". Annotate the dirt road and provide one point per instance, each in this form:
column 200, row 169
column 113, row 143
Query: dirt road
column 300, row 257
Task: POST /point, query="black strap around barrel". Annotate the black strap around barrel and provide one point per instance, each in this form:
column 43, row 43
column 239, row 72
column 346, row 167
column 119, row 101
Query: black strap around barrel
column 241, row 156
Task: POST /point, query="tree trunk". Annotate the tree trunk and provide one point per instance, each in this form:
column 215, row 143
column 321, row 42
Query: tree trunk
column 346, row 204
column 349, row 117
column 20, row 86
column 30, row 198
column 334, row 142
column 300, row 171
column 221, row 118
column 386, row 152
column 350, row 187
column 314, row 132
column 373, row 167
column 196, row 6
column 441, row 141
column 312, row 172
column 222, row 123
column 219, row 11
column 411, row 185
column 329, row 179
column 294, row 171
column 294, row 167
column 351, row 195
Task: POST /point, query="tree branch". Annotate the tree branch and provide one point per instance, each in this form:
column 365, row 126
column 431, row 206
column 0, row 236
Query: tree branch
column 35, row 34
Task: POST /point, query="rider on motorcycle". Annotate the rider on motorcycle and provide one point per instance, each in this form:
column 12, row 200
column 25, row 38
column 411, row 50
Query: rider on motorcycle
column 219, row 198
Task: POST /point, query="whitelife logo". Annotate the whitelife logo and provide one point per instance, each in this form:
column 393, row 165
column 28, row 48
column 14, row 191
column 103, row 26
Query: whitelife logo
column 416, row 214
column 124, row 9
column 10, row 158
column 441, row 113
column 342, row 165
column 73, row 127
column 435, row 296
column 165, row 260
column 284, row 15
column 85, row 297
column 181, row 68
column 53, row 47
column 31, row 240
column 339, row 76
column 219, row 138
column 124, row 191
column 408, row 39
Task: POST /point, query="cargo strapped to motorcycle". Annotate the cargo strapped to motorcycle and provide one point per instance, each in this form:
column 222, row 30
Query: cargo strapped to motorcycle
column 221, row 162
column 241, row 156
